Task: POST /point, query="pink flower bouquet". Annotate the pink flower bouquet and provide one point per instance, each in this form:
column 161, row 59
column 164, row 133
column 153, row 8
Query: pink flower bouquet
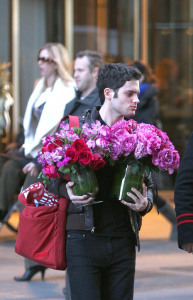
column 139, row 149
column 142, row 146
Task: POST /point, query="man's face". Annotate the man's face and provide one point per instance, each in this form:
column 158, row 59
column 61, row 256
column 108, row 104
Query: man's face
column 82, row 75
column 125, row 104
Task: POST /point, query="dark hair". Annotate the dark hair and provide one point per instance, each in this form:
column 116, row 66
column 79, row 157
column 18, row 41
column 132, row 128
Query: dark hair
column 95, row 58
column 114, row 76
column 145, row 69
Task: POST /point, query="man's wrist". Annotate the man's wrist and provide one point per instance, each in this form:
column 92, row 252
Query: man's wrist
column 147, row 209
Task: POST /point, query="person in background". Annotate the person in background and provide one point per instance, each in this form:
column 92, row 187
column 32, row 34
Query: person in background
column 44, row 110
column 86, row 66
column 101, row 239
column 148, row 112
column 148, row 107
column 183, row 199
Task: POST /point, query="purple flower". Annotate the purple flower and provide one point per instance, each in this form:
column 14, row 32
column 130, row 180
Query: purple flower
column 128, row 144
column 57, row 154
column 167, row 159
column 63, row 162
column 115, row 150
column 102, row 143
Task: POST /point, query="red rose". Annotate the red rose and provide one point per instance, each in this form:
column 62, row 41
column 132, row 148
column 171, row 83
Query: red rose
column 48, row 148
column 80, row 145
column 58, row 142
column 67, row 177
column 72, row 153
column 97, row 162
column 51, row 171
column 85, row 157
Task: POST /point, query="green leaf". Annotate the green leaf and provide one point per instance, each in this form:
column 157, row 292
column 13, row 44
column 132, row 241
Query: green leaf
column 62, row 169
column 46, row 180
column 40, row 175
column 73, row 170
column 77, row 130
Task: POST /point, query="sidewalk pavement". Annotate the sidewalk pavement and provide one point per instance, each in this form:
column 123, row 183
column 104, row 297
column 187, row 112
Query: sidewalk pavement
column 162, row 271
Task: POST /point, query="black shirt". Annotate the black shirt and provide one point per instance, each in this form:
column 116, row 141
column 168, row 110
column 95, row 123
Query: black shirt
column 111, row 217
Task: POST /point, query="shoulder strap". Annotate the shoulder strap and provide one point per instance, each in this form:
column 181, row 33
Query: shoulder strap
column 73, row 121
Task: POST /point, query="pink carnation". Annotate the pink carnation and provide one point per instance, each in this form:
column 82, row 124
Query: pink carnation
column 51, row 171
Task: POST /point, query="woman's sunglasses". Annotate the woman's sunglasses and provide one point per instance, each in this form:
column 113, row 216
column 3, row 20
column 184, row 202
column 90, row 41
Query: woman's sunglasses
column 46, row 60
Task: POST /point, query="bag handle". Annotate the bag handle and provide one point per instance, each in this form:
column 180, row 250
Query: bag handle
column 22, row 198
column 73, row 121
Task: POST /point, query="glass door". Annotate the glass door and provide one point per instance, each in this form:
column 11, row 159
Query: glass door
column 105, row 25
column 171, row 55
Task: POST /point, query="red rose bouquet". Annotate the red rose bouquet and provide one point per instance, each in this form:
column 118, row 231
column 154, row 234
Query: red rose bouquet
column 70, row 151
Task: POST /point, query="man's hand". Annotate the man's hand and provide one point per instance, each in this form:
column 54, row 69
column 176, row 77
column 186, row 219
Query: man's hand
column 31, row 168
column 74, row 198
column 188, row 247
column 140, row 200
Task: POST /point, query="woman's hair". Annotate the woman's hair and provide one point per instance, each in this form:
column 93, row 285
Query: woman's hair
column 60, row 54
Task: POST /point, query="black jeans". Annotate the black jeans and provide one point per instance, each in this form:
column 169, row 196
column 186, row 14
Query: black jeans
column 100, row 268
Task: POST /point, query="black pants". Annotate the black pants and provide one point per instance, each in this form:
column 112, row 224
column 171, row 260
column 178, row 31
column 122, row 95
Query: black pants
column 100, row 268
column 11, row 180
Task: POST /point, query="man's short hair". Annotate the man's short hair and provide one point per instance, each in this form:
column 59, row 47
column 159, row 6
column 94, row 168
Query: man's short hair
column 95, row 58
column 114, row 76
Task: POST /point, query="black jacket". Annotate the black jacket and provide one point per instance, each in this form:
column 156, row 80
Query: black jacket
column 81, row 218
column 148, row 107
column 77, row 106
column 183, row 196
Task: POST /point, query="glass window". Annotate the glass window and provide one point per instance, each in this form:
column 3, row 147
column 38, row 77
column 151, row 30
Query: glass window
column 30, row 42
column 171, row 55
column 85, row 22
column 5, row 57
column 5, row 30
column 41, row 21
column 106, row 26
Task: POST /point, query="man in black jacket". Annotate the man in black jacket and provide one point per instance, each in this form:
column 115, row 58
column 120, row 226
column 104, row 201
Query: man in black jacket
column 86, row 67
column 101, row 238
column 183, row 199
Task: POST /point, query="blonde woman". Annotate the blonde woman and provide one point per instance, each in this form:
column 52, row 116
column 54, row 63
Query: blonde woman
column 47, row 103
column 44, row 110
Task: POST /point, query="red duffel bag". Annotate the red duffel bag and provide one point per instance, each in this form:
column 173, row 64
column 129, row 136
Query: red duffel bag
column 41, row 231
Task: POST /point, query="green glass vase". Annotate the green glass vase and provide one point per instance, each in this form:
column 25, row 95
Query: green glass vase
column 85, row 181
column 125, row 178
